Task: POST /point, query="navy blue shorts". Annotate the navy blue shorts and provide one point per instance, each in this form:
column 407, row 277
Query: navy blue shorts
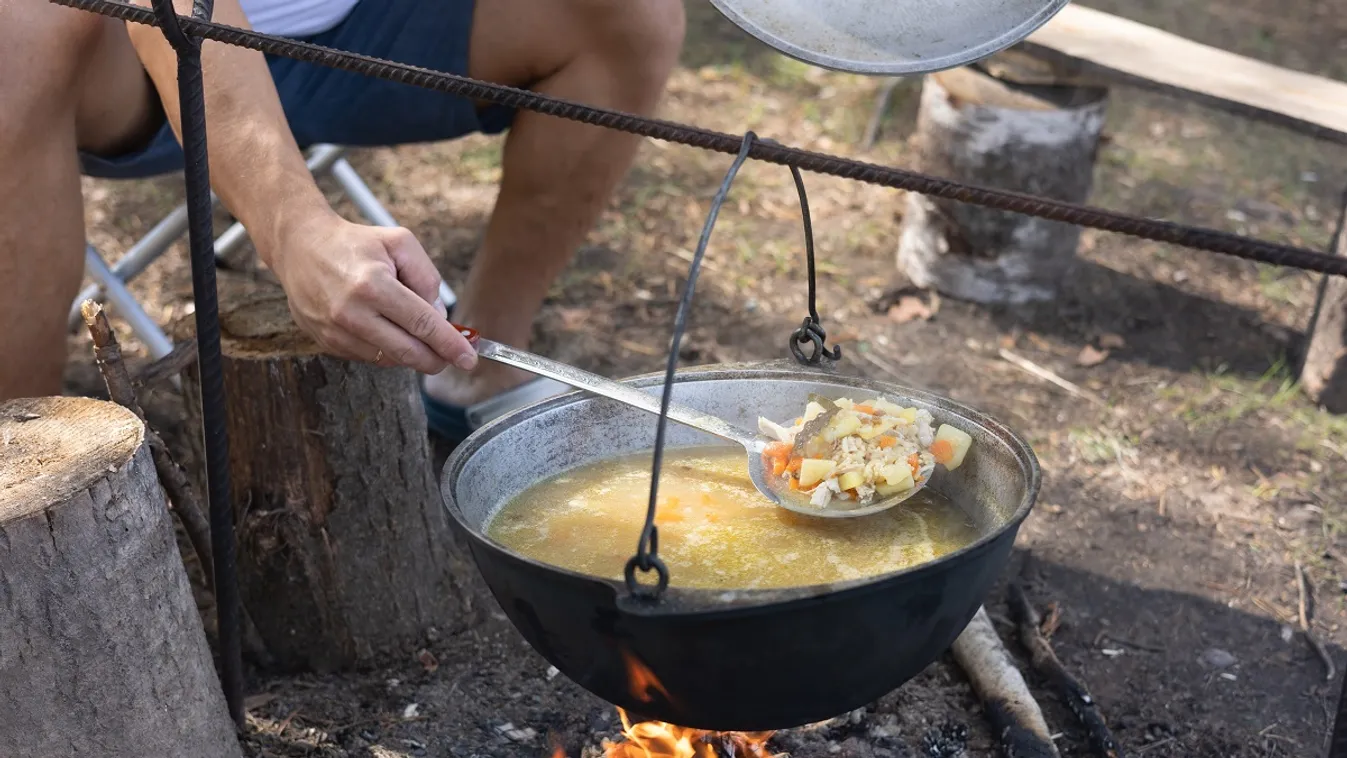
column 326, row 105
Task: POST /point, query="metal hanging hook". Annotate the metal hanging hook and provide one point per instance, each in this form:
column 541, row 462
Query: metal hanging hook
column 811, row 330
column 647, row 558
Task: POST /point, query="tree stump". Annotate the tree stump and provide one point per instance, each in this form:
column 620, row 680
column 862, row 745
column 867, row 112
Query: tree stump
column 977, row 129
column 1324, row 371
column 102, row 652
column 345, row 555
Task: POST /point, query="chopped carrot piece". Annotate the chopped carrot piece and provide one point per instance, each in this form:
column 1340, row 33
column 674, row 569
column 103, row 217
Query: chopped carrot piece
column 778, row 467
column 777, row 450
column 943, row 451
column 887, row 441
column 793, row 466
column 868, row 409
column 914, row 463
column 795, row 484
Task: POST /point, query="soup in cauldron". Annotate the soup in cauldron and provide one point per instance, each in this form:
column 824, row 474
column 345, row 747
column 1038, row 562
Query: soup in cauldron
column 716, row 531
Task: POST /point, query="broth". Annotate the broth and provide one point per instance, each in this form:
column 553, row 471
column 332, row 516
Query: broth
column 716, row 531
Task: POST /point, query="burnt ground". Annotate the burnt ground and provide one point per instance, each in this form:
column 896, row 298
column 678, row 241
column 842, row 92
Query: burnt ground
column 1172, row 516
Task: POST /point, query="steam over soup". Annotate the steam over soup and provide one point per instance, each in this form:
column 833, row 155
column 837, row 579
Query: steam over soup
column 715, row 530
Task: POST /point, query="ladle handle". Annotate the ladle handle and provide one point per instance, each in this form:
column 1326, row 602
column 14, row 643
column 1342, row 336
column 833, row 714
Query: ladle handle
column 584, row 380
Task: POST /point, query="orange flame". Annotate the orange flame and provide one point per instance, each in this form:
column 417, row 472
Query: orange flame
column 641, row 681
column 658, row 739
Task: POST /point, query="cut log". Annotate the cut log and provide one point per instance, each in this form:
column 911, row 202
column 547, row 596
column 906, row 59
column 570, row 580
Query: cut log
column 1039, row 140
column 102, row 652
column 1324, row 371
column 345, row 555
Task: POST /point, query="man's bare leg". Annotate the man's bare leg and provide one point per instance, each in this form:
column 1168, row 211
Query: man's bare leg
column 71, row 79
column 558, row 174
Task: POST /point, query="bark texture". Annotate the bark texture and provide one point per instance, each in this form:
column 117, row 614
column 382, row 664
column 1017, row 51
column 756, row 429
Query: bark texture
column 102, row 652
column 345, row 555
column 1033, row 139
column 1324, row 372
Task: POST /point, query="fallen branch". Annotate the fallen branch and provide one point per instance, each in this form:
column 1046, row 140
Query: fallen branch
column 182, row 356
column 1029, row 624
column 1303, row 591
column 1014, row 714
column 108, row 356
column 182, row 499
column 1029, row 367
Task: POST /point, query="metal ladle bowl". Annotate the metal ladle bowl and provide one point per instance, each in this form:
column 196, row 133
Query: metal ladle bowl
column 889, row 37
column 755, row 445
column 746, row 660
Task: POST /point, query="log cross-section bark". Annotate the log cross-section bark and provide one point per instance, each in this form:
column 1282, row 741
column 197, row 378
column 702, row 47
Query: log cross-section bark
column 102, row 652
column 1040, row 140
column 345, row 557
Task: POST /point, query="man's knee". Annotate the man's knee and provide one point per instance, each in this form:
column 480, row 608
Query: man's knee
column 44, row 43
column 42, row 52
column 646, row 34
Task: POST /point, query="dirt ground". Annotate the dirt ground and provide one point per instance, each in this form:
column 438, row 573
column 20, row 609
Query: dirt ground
column 1172, row 516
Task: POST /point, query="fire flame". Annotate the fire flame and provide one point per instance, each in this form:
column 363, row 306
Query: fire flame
column 641, row 681
column 659, row 739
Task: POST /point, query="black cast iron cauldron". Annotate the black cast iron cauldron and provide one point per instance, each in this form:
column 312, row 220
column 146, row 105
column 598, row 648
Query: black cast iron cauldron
column 751, row 660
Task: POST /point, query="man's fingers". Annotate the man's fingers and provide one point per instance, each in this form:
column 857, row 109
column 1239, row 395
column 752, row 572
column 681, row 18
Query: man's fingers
column 415, row 269
column 399, row 348
column 352, row 348
column 422, row 321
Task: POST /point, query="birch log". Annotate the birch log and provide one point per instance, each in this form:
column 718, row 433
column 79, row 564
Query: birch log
column 977, row 129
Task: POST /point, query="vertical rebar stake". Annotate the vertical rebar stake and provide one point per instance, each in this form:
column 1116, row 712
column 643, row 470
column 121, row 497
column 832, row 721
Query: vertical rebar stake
column 201, row 238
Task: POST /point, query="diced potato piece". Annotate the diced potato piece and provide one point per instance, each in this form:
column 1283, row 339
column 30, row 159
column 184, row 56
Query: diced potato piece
column 958, row 440
column 814, row 470
column 812, row 411
column 898, row 476
column 874, row 430
column 889, row 407
column 844, row 423
column 844, row 402
column 907, row 414
column 850, row 480
column 888, row 490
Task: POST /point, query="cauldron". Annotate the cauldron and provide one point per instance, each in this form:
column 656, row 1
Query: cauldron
column 750, row 660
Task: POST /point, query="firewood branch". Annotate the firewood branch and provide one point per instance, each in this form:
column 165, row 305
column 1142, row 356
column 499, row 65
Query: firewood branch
column 1306, row 625
column 1029, row 624
column 108, row 356
column 1012, row 710
column 181, row 496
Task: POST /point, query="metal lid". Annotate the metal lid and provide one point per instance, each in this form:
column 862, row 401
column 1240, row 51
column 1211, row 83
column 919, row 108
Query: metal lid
column 889, row 37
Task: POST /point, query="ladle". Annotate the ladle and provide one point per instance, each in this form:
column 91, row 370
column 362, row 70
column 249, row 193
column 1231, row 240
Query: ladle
column 754, row 444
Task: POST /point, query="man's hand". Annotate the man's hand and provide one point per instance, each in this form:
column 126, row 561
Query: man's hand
column 359, row 290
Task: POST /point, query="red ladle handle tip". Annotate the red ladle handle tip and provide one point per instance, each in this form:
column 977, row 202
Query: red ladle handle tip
column 468, row 333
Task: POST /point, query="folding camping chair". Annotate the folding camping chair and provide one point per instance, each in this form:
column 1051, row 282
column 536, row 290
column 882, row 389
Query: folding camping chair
column 110, row 281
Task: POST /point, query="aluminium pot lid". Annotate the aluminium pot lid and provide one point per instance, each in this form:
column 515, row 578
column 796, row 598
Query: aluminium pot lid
column 889, row 37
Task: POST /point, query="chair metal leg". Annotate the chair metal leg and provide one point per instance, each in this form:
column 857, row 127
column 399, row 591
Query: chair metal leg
column 143, row 253
column 144, row 327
